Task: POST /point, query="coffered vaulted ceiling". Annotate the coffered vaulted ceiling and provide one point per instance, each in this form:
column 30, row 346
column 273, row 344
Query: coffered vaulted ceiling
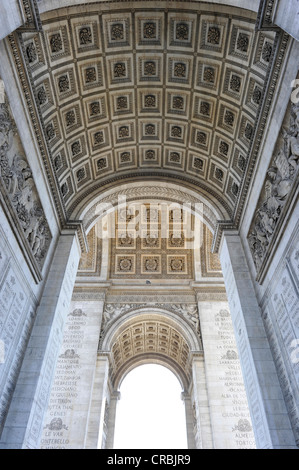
column 150, row 338
column 148, row 93
column 149, row 255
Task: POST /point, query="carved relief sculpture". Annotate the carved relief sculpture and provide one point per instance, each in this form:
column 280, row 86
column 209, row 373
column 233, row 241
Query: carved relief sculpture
column 113, row 311
column 18, row 187
column 281, row 176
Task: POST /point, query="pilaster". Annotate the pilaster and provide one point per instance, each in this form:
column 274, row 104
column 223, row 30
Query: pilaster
column 23, row 428
column 114, row 397
column 71, row 393
column 270, row 419
column 189, row 420
column 226, row 396
column 201, row 408
column 98, row 404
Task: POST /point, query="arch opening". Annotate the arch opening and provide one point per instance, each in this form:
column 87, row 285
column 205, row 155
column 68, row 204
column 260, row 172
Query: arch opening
column 150, row 413
column 155, row 337
column 150, row 335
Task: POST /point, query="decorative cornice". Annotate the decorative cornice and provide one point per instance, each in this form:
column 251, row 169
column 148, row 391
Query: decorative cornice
column 88, row 295
column 78, row 226
column 220, row 227
column 265, row 16
column 31, row 14
column 211, row 297
column 217, row 294
column 121, row 297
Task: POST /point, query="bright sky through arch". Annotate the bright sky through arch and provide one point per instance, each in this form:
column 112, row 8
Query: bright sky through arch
column 150, row 413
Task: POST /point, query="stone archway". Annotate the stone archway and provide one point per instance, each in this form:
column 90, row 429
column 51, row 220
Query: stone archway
column 211, row 136
column 90, row 390
column 127, row 312
column 149, row 336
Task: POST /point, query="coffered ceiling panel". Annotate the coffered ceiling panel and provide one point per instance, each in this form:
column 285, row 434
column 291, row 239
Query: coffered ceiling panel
column 147, row 246
column 143, row 248
column 148, row 92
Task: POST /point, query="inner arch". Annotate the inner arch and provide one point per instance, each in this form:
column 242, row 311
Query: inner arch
column 150, row 336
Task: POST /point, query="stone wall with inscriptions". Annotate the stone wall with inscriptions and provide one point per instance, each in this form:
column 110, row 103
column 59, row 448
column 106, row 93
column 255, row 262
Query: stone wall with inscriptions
column 260, row 425
column 30, row 400
column 65, row 425
column 280, row 309
column 229, row 412
column 17, row 312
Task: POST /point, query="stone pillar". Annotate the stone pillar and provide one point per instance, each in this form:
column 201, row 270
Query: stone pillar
column 114, row 397
column 97, row 408
column 189, row 420
column 201, row 411
column 269, row 416
column 24, row 424
column 229, row 412
column 71, row 393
